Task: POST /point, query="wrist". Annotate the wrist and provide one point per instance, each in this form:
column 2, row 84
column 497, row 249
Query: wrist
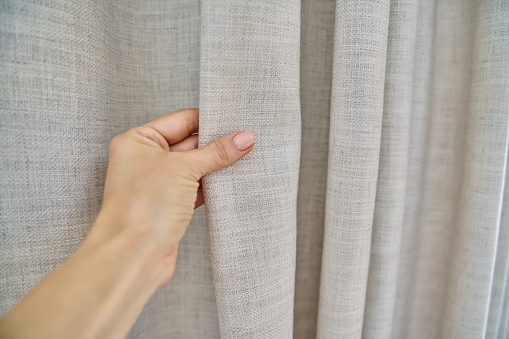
column 144, row 249
column 111, row 228
column 131, row 251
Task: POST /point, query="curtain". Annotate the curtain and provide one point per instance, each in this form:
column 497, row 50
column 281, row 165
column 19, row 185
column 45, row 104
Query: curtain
column 373, row 202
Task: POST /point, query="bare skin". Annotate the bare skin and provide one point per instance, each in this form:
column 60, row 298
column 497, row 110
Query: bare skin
column 152, row 188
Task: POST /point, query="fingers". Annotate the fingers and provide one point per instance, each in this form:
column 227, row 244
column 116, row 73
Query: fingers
column 222, row 152
column 177, row 125
column 187, row 144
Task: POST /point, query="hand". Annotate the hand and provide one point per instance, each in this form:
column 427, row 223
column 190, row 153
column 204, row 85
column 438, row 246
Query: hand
column 151, row 190
column 152, row 184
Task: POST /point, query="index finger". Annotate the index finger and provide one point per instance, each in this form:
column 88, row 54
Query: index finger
column 176, row 126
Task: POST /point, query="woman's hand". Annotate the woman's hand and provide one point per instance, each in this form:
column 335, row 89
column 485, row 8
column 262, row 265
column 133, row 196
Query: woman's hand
column 151, row 190
column 152, row 184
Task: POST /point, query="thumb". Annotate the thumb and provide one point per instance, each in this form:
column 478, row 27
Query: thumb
column 222, row 152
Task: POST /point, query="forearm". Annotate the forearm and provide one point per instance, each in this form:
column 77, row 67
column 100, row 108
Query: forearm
column 110, row 280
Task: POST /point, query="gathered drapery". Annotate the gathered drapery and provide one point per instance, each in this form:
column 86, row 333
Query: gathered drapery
column 373, row 202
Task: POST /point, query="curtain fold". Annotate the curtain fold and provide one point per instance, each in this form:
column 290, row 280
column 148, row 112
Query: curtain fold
column 481, row 193
column 373, row 205
column 419, row 123
column 354, row 143
column 317, row 45
column 249, row 80
column 392, row 171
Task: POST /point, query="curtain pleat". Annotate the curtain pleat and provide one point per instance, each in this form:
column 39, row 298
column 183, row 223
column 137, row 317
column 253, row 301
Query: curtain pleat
column 360, row 46
column 482, row 182
column 372, row 205
column 392, row 171
column 317, row 44
column 448, row 110
column 249, row 80
column 419, row 121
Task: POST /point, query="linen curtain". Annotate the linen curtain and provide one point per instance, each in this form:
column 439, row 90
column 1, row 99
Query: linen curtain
column 373, row 202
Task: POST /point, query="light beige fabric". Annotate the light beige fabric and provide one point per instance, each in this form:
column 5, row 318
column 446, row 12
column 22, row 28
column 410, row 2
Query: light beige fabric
column 372, row 205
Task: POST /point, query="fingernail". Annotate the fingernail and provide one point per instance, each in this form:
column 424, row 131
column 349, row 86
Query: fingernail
column 243, row 140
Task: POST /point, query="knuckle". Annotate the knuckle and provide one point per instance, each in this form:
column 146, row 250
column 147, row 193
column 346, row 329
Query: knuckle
column 117, row 142
column 150, row 133
column 143, row 131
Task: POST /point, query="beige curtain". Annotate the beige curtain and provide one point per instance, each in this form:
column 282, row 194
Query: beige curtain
column 372, row 205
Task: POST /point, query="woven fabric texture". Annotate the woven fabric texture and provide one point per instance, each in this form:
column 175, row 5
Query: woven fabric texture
column 374, row 204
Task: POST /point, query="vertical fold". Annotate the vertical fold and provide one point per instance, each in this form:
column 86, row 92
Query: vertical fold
column 481, row 194
column 249, row 80
column 498, row 318
column 405, row 290
column 317, row 45
column 360, row 45
column 392, row 171
column 443, row 163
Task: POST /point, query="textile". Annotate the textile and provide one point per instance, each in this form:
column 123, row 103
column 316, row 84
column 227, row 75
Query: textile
column 374, row 203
